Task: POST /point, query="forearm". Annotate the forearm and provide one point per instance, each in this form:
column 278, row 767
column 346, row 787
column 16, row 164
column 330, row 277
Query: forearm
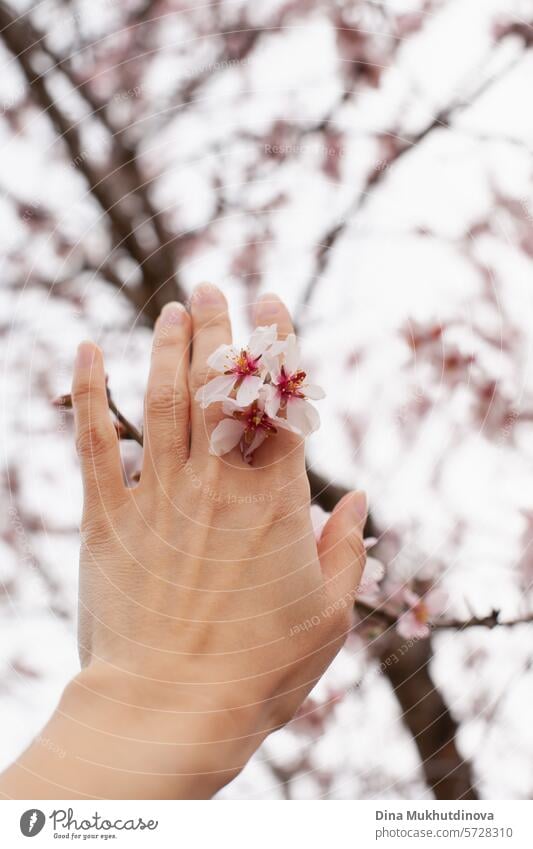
column 100, row 744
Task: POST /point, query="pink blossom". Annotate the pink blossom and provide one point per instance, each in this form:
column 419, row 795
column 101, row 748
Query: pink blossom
column 372, row 575
column 374, row 569
column 243, row 369
column 319, row 517
column 289, row 390
column 247, row 427
column 415, row 622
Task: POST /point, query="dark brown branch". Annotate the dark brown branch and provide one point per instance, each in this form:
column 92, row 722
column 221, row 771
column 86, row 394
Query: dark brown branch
column 442, row 120
column 388, row 617
column 426, row 716
column 130, row 429
column 159, row 283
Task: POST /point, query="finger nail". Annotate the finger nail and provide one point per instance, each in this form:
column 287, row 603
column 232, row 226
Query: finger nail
column 359, row 508
column 172, row 313
column 267, row 307
column 207, row 295
column 85, row 354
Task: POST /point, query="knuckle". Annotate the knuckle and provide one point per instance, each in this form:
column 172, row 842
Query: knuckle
column 93, row 441
column 81, row 391
column 174, row 450
column 288, row 503
column 343, row 618
column 167, row 401
column 356, row 547
column 202, row 375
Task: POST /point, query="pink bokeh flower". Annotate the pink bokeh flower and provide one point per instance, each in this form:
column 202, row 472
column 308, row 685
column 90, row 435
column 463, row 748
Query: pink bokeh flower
column 415, row 622
column 374, row 569
column 372, row 575
column 247, row 428
column 243, row 369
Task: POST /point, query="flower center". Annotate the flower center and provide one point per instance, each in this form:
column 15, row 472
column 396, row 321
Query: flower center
column 290, row 385
column 421, row 612
column 244, row 364
column 255, row 419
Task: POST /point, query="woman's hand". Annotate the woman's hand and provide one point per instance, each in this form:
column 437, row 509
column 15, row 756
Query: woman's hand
column 207, row 612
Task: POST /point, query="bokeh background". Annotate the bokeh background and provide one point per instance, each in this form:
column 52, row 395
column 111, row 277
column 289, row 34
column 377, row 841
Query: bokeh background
column 371, row 163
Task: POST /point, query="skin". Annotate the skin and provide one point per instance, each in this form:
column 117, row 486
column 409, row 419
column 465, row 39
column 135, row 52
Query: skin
column 195, row 587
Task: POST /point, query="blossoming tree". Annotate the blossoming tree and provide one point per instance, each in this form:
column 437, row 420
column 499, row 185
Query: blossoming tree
column 331, row 152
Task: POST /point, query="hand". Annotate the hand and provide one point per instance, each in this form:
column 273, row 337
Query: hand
column 207, row 611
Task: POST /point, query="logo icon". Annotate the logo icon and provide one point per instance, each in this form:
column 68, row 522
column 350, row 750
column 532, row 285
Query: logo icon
column 32, row 822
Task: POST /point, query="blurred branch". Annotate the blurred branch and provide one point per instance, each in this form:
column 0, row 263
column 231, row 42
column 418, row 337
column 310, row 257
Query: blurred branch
column 442, row 120
column 129, row 429
column 388, row 616
column 159, row 283
column 428, row 719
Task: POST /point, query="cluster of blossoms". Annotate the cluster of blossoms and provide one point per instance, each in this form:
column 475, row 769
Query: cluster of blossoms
column 415, row 622
column 414, row 613
column 262, row 388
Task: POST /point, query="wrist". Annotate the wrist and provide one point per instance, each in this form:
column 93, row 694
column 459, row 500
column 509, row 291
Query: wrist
column 178, row 742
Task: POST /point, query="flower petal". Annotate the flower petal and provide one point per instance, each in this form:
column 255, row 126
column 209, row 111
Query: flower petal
column 292, row 354
column 222, row 358
column 271, row 365
column 248, row 391
column 259, row 438
column 313, row 391
column 411, row 598
column 261, row 339
column 278, row 347
column 225, row 436
column 271, row 399
column 217, row 389
column 409, row 627
column 437, row 601
column 302, row 416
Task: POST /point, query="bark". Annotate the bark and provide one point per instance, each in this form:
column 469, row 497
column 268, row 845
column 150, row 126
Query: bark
column 429, row 720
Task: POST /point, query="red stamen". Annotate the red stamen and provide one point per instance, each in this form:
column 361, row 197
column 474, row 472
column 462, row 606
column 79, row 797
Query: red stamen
column 289, row 385
column 245, row 365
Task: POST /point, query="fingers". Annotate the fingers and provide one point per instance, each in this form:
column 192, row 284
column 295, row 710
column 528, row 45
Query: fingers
column 341, row 549
column 285, row 447
column 211, row 328
column 166, row 408
column 96, row 438
column 271, row 310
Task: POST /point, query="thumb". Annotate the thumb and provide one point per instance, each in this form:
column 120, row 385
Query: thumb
column 341, row 549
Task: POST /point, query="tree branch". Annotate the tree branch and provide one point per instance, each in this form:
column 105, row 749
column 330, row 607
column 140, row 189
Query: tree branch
column 442, row 120
column 428, row 719
column 159, row 283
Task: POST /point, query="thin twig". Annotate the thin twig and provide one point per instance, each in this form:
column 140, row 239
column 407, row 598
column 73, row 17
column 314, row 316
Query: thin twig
column 130, row 429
